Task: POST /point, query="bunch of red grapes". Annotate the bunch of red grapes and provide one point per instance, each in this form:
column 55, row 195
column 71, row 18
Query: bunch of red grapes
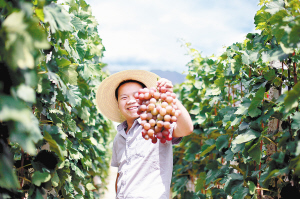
column 157, row 111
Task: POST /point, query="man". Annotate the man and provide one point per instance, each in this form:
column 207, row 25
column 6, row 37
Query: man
column 144, row 168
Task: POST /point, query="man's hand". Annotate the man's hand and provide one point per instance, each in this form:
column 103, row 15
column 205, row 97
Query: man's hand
column 165, row 83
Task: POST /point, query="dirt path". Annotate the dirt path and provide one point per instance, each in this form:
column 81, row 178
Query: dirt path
column 111, row 192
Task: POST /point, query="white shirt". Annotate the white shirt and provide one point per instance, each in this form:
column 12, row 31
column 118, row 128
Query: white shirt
column 145, row 169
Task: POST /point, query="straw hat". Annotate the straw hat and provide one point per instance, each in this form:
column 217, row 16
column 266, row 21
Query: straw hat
column 105, row 96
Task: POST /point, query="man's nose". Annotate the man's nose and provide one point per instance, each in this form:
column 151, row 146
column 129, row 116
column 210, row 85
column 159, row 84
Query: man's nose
column 131, row 100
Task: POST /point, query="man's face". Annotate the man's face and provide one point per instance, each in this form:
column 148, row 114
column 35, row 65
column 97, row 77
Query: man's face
column 126, row 101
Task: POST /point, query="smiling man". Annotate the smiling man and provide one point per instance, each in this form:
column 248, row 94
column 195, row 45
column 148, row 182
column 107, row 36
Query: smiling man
column 144, row 168
column 127, row 103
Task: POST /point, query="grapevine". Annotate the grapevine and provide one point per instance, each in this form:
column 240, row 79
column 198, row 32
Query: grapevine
column 245, row 108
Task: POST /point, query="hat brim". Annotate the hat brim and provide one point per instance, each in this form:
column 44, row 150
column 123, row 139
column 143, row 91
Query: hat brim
column 105, row 96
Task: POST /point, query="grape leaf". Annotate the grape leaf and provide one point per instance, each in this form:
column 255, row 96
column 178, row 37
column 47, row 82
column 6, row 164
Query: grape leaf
column 78, row 24
column 40, row 177
column 55, row 179
column 57, row 17
column 292, row 97
column 270, row 75
column 222, row 142
column 207, row 150
column 90, row 187
column 241, row 193
column 245, row 137
column 296, row 121
column 77, row 170
column 252, row 187
column 26, row 93
column 200, row 183
column 253, row 110
column 26, row 134
column 242, row 108
column 8, row 178
column 255, row 152
column 53, row 144
column 68, row 74
column 275, row 6
column 18, row 52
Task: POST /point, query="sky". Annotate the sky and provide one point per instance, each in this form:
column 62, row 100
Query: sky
column 149, row 34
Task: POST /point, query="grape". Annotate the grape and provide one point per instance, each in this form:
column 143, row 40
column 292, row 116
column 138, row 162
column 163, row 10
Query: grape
column 154, row 111
column 158, row 107
column 164, row 104
column 159, row 135
column 151, row 92
column 163, row 96
column 147, row 126
column 169, row 109
column 167, row 125
column 143, row 107
column 146, row 103
column 136, row 95
column 163, row 89
column 152, row 101
column 173, row 95
column 152, row 122
column 149, row 116
column 154, row 116
column 156, row 95
column 163, row 140
column 146, row 90
column 147, row 96
column 167, row 118
column 173, row 119
column 144, row 132
column 150, row 107
column 163, row 111
column 160, row 123
column 157, row 129
column 160, row 117
column 154, row 140
column 165, row 133
column 153, row 88
column 151, row 133
column 169, row 99
column 143, row 122
column 139, row 101
column 141, row 96
column 169, row 137
column 157, row 111
column 143, row 116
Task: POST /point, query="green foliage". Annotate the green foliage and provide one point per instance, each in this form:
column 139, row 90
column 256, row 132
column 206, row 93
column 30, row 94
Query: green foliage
column 229, row 100
column 53, row 141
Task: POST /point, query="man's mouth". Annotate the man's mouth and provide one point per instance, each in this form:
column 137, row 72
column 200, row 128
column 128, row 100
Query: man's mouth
column 133, row 108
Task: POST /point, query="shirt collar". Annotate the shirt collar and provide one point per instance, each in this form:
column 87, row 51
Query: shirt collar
column 121, row 127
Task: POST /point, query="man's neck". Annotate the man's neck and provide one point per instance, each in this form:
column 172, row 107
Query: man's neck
column 129, row 125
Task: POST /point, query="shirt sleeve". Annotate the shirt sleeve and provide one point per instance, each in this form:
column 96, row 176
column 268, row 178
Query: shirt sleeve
column 114, row 161
column 175, row 140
